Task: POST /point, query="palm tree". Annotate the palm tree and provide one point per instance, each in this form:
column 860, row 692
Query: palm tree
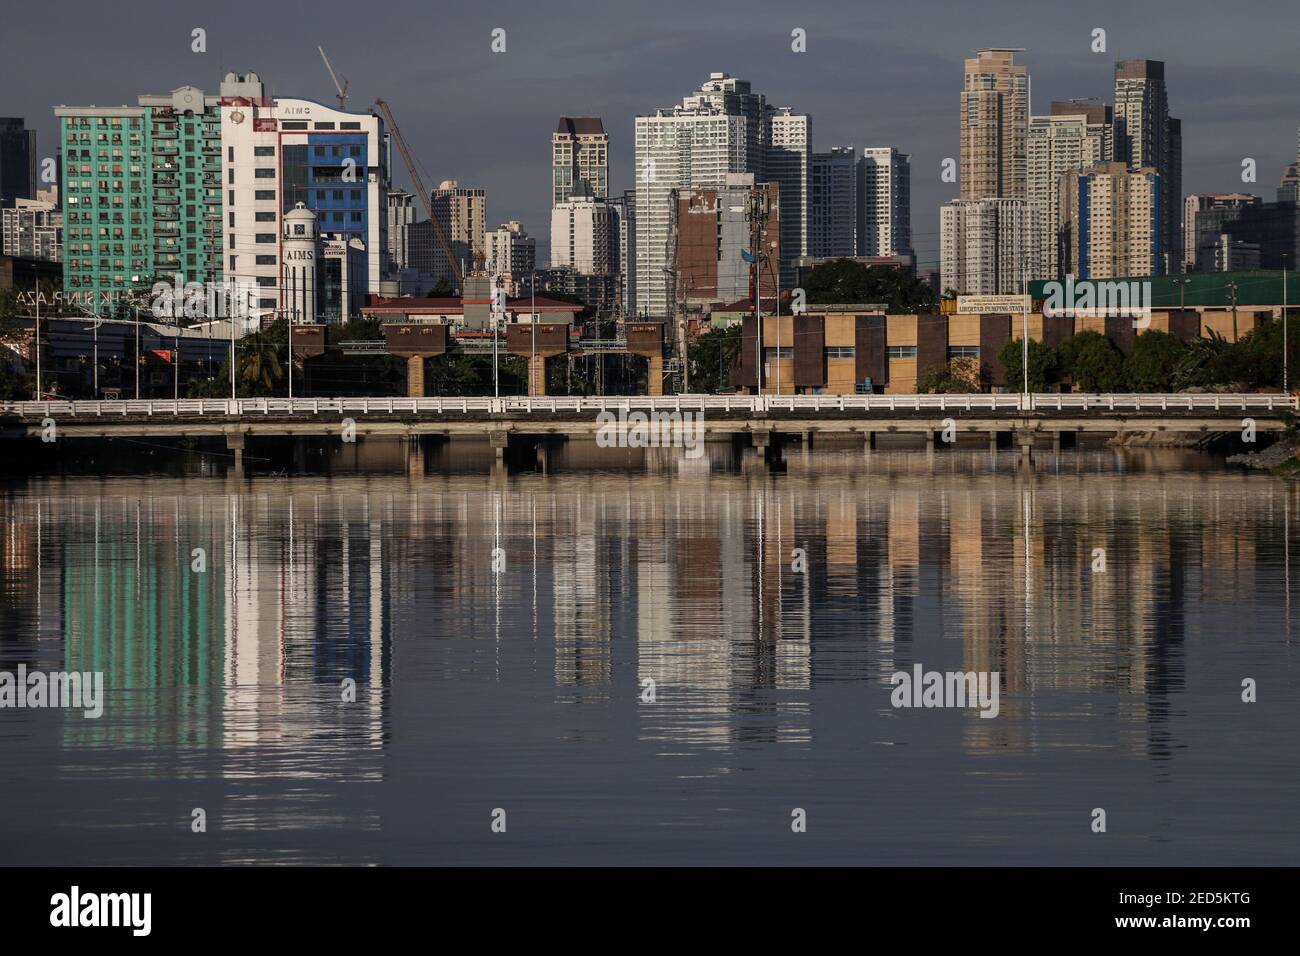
column 259, row 367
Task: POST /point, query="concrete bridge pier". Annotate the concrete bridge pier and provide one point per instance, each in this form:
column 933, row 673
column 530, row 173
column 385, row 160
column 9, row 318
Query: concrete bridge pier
column 767, row 443
column 415, row 376
column 235, row 444
column 1025, row 440
column 536, row 375
column 806, row 444
column 868, row 443
column 929, row 443
column 543, row 456
column 500, row 441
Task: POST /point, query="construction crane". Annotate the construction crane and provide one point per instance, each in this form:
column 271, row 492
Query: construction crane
column 343, row 90
column 418, row 184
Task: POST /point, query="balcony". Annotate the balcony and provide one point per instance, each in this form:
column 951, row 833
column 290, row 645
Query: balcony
column 166, row 215
column 165, row 132
column 212, row 149
column 212, row 167
column 212, row 215
column 164, row 149
column 168, row 200
column 166, row 182
column 166, row 229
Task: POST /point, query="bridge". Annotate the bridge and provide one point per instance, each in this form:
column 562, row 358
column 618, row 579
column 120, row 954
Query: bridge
column 765, row 421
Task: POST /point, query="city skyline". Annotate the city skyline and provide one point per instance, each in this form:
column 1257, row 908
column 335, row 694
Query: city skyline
column 1233, row 105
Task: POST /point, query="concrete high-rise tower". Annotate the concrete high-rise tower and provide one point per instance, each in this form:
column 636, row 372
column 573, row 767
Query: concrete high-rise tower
column 1077, row 135
column 994, row 125
column 1146, row 137
column 579, row 158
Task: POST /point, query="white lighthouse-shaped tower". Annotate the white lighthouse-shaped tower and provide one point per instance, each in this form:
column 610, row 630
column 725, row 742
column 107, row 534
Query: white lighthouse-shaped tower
column 298, row 292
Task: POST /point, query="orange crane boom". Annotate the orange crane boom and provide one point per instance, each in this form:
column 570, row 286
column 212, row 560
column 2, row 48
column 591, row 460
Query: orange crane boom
column 423, row 193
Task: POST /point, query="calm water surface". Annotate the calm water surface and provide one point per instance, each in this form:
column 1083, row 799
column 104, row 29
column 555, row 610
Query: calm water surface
column 522, row 690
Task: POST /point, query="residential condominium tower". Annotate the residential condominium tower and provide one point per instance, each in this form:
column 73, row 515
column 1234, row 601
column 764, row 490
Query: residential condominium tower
column 1110, row 223
column 789, row 164
column 1146, row 137
column 832, row 203
column 1077, row 135
column 988, row 246
column 884, row 197
column 142, row 195
column 994, row 125
column 579, row 158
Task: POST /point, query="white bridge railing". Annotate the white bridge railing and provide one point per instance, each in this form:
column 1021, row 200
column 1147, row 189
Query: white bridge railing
column 718, row 404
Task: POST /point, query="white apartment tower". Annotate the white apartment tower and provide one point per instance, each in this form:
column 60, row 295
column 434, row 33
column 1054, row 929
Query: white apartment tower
column 789, row 163
column 509, row 250
column 583, row 236
column 987, row 246
column 884, row 197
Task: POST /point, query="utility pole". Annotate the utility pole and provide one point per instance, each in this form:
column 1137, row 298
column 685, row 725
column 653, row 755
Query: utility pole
column 532, row 284
column 1233, row 287
column 1286, row 383
column 756, row 220
column 36, row 341
column 137, row 350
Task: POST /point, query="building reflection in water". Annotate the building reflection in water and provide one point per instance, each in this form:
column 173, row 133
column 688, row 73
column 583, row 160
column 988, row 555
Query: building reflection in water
column 684, row 577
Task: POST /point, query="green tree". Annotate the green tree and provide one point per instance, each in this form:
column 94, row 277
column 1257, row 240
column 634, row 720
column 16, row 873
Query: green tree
column 1154, row 361
column 1206, row 361
column 711, row 355
column 847, row 281
column 443, row 290
column 1044, row 365
column 956, row 376
column 1093, row 363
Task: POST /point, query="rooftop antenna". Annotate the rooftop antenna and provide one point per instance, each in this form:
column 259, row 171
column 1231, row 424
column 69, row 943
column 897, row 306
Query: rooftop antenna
column 343, row 90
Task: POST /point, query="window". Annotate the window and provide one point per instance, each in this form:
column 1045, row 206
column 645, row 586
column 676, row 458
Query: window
column 900, row 351
column 264, row 174
column 230, row 154
column 262, row 260
column 265, row 237
column 264, row 194
column 232, row 220
column 263, row 150
column 963, row 351
column 349, row 126
column 777, row 353
column 324, row 125
column 293, row 124
column 841, row 352
column 264, row 217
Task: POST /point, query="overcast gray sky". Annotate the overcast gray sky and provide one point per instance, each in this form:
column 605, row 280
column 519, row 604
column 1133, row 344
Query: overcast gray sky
column 875, row 74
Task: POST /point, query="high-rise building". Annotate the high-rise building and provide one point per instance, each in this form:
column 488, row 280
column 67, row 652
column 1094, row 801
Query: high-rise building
column 624, row 210
column 401, row 213
column 583, row 236
column 1110, row 222
column 1197, row 230
column 509, row 250
column 994, row 125
column 833, row 203
column 579, row 158
column 17, row 160
column 277, row 152
column 788, row 163
column 884, row 213
column 987, row 246
column 142, row 194
column 462, row 213
column 1235, row 231
column 697, row 143
column 1077, row 135
column 1147, row 138
column 32, row 229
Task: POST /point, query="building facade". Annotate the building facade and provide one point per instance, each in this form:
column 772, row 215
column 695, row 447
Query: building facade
column 994, row 125
column 713, row 235
column 509, row 250
column 1077, row 135
column 142, row 193
column 579, row 158
column 1202, row 224
column 401, row 213
column 32, row 229
column 1146, row 137
column 462, row 213
column 17, row 160
column 1110, row 222
column 788, row 163
column 584, row 236
column 833, row 203
column 884, row 202
column 987, row 246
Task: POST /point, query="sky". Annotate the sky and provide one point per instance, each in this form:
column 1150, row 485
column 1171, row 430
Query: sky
column 874, row 74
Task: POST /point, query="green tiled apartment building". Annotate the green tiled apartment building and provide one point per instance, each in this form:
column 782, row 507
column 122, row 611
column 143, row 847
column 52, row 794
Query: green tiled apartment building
column 142, row 194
